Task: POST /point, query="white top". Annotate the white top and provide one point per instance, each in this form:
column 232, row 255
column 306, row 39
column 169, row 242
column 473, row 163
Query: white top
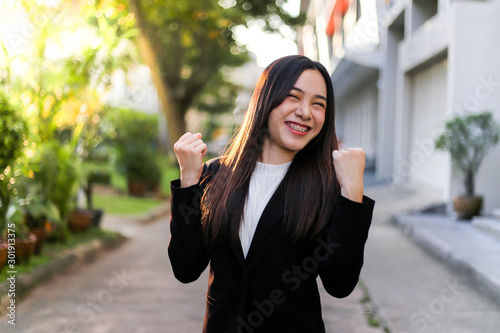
column 263, row 183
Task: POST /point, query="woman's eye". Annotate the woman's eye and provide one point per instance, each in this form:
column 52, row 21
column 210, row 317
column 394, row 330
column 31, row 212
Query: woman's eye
column 295, row 97
column 321, row 105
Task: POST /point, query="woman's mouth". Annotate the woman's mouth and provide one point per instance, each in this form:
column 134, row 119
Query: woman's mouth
column 298, row 127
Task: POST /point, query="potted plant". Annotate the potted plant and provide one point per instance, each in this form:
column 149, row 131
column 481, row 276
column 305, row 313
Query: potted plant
column 96, row 159
column 57, row 176
column 39, row 215
column 141, row 169
column 25, row 240
column 469, row 138
column 3, row 254
column 136, row 158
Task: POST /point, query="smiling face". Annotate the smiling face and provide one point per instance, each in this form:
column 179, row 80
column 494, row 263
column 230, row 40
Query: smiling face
column 297, row 120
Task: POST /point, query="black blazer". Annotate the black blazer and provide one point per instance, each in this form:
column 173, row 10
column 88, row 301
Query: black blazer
column 274, row 288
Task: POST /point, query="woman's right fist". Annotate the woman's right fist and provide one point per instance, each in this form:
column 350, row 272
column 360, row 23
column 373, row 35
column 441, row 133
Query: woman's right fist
column 189, row 150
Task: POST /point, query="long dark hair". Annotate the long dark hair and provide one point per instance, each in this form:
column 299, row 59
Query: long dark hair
column 311, row 185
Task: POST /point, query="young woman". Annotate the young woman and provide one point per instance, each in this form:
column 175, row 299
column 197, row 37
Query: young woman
column 279, row 208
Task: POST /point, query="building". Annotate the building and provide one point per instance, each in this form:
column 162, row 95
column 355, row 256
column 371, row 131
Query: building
column 400, row 69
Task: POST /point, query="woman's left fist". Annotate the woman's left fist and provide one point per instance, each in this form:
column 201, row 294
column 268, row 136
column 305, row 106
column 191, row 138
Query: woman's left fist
column 349, row 167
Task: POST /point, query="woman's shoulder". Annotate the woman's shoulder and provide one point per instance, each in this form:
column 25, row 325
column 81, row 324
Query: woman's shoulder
column 214, row 161
column 212, row 166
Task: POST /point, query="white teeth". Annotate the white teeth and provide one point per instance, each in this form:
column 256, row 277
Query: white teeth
column 297, row 127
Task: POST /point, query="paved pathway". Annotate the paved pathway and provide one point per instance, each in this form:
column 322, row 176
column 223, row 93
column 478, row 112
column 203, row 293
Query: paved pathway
column 413, row 291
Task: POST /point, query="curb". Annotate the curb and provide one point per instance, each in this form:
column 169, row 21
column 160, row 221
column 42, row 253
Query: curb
column 490, row 225
column 487, row 282
column 82, row 253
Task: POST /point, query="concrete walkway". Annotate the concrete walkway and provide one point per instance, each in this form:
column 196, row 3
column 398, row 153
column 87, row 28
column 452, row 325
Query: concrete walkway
column 414, row 291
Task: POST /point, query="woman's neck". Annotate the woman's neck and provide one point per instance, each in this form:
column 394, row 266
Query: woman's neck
column 274, row 156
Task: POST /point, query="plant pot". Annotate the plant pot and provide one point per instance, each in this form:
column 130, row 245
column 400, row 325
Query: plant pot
column 3, row 254
column 154, row 187
column 466, row 207
column 25, row 248
column 41, row 234
column 98, row 213
column 137, row 188
column 54, row 232
column 80, row 220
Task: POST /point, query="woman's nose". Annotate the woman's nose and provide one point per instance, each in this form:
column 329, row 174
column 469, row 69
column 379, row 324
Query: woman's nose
column 303, row 111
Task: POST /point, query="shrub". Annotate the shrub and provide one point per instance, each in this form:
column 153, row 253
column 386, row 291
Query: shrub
column 132, row 127
column 12, row 129
column 140, row 164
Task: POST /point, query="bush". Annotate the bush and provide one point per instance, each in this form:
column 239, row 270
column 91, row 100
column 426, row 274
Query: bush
column 136, row 144
column 140, row 164
column 12, row 129
column 132, row 127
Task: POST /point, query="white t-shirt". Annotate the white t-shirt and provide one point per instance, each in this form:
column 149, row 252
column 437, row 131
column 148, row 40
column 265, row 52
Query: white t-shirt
column 263, row 183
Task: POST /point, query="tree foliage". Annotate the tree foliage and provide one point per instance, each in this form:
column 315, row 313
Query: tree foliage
column 12, row 130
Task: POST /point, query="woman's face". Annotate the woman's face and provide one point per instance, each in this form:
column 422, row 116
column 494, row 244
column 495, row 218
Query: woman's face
column 296, row 121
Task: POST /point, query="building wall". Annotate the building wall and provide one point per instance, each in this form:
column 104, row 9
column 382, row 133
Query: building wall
column 462, row 36
column 357, row 119
column 391, row 34
column 427, row 116
column 464, row 33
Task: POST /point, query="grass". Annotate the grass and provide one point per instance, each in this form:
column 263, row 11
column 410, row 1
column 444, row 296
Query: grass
column 372, row 320
column 369, row 309
column 125, row 205
column 51, row 250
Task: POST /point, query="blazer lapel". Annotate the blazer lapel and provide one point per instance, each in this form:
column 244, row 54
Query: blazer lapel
column 273, row 212
column 237, row 251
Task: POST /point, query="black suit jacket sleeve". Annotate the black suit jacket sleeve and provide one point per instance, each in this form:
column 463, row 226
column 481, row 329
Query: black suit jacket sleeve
column 343, row 241
column 186, row 250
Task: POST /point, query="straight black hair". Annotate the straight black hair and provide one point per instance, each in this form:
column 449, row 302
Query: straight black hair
column 311, row 185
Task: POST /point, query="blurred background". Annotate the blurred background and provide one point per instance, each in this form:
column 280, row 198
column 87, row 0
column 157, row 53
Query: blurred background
column 100, row 90
column 94, row 93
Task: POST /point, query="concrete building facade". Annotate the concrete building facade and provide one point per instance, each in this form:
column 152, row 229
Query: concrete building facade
column 400, row 69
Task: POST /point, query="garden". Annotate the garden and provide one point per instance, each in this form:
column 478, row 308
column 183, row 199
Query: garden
column 55, row 186
column 66, row 157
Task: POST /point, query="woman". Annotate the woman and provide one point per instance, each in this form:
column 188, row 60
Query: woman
column 279, row 208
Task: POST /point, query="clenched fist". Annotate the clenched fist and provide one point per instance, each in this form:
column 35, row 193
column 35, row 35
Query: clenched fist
column 189, row 150
column 350, row 166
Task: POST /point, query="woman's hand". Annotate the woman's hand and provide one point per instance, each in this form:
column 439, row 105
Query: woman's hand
column 190, row 150
column 349, row 166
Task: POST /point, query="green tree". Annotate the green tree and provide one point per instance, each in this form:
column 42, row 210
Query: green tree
column 186, row 44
